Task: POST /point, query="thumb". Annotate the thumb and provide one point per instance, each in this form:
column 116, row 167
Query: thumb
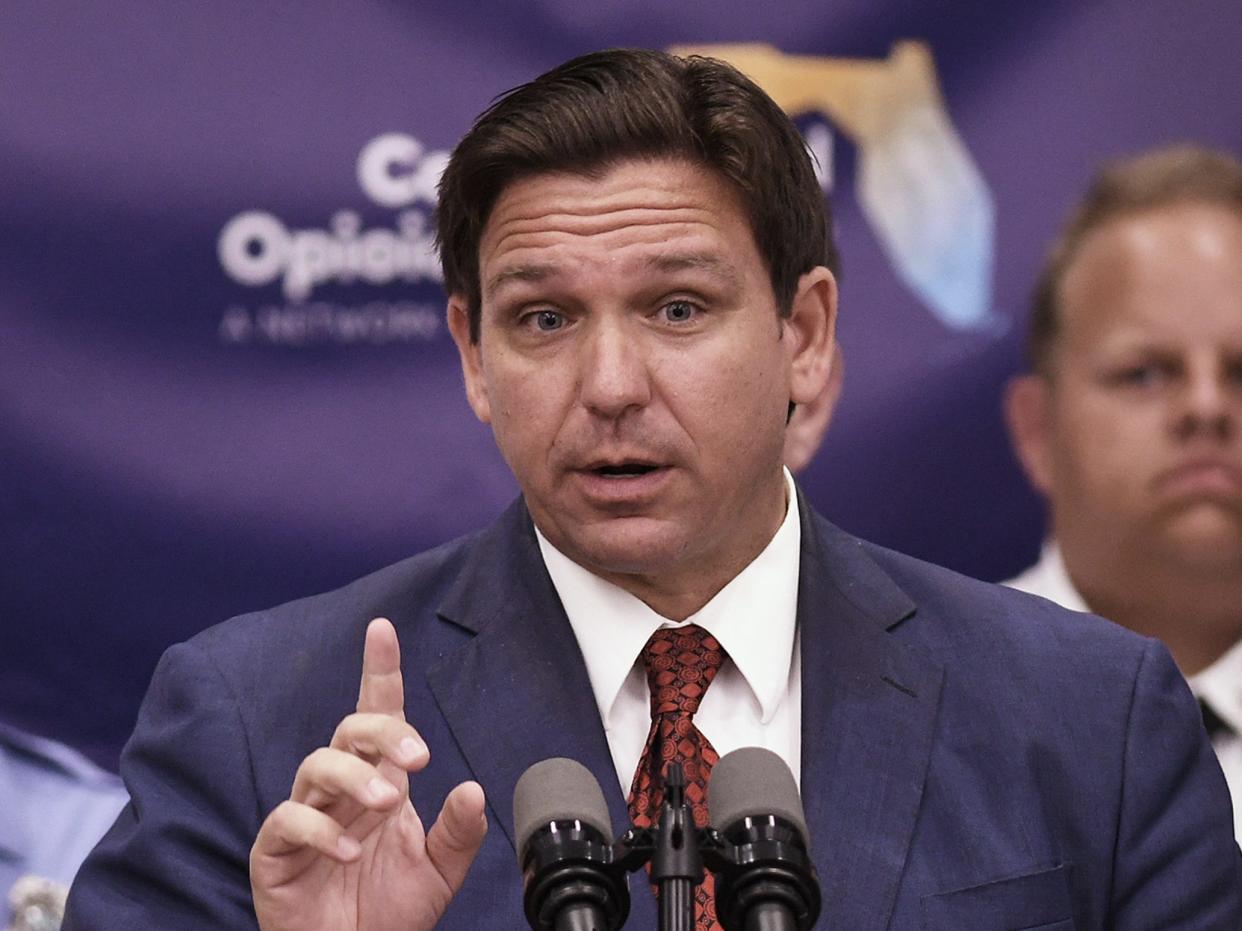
column 458, row 833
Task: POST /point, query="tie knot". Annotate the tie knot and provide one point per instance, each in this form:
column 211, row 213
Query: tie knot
column 681, row 663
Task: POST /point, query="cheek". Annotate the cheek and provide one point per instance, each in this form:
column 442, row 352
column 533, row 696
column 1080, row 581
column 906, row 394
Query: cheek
column 723, row 400
column 750, row 372
column 528, row 407
column 742, row 418
column 1107, row 449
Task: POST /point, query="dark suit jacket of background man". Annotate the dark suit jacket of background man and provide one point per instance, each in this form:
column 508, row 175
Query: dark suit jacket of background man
column 972, row 757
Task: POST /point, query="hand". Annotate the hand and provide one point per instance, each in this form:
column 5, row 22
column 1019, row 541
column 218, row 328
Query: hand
column 346, row 851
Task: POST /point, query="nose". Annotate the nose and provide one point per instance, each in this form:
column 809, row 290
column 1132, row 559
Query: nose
column 1207, row 408
column 615, row 375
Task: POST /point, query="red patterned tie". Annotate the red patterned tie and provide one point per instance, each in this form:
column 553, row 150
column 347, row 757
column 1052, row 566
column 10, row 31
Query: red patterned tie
column 681, row 663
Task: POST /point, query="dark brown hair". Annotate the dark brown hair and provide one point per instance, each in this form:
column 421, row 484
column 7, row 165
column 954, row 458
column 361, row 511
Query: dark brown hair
column 596, row 110
column 1159, row 178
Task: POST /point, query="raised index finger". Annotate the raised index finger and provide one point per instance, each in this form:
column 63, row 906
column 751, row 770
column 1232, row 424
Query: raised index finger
column 382, row 690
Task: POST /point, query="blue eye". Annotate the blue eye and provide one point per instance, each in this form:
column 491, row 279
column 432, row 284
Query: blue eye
column 679, row 311
column 1141, row 374
column 1146, row 375
column 548, row 320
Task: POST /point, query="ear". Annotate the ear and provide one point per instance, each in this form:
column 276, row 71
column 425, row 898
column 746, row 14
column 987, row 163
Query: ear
column 810, row 330
column 471, row 357
column 1028, row 415
column 809, row 423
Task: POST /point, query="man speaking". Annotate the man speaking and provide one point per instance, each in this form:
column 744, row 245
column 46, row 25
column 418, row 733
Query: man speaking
column 640, row 276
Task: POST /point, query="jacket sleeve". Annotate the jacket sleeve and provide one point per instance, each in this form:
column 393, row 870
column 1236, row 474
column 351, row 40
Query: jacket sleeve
column 1176, row 864
column 178, row 854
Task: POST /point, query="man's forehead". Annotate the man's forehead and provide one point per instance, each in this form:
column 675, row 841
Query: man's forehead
column 698, row 183
column 659, row 215
column 1154, row 268
column 1161, row 239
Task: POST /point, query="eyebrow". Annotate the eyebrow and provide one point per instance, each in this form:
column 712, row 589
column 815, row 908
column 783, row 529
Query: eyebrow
column 518, row 273
column 705, row 261
column 667, row 262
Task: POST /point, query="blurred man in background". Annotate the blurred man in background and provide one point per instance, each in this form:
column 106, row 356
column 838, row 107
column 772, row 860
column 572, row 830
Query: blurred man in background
column 54, row 805
column 1129, row 422
column 809, row 422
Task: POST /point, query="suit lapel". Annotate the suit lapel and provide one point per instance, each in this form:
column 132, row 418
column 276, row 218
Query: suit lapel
column 868, row 716
column 518, row 692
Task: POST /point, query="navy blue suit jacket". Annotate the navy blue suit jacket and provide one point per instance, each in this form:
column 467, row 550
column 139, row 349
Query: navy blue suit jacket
column 972, row 757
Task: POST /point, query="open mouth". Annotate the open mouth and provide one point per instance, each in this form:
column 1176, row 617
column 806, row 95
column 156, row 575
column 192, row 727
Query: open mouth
column 624, row 470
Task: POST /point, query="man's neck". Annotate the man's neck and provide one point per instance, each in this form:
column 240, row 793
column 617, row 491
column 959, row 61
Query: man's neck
column 676, row 599
column 684, row 595
column 1197, row 614
column 678, row 595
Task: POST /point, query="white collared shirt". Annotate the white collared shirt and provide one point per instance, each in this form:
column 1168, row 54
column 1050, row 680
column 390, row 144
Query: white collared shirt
column 755, row 699
column 1049, row 579
column 1219, row 686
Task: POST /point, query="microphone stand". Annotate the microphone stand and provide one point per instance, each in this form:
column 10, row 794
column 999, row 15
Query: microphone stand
column 574, row 880
column 765, row 880
column 676, row 865
column 672, row 848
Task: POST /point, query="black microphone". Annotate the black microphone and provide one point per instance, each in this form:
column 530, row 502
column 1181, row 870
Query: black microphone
column 564, row 839
column 765, row 880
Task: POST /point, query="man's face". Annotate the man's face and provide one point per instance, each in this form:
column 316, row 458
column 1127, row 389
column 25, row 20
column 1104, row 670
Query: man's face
column 1141, row 440
column 635, row 370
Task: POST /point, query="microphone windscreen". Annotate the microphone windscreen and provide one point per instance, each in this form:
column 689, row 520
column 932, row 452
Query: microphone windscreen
column 753, row 782
column 558, row 789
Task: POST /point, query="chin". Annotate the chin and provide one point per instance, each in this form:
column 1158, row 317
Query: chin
column 1204, row 535
column 628, row 546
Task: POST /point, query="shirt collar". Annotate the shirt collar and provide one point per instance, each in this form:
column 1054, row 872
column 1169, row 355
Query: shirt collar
column 1050, row 579
column 1220, row 685
column 754, row 617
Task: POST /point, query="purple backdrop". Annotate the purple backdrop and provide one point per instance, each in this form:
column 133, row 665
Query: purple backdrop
column 224, row 375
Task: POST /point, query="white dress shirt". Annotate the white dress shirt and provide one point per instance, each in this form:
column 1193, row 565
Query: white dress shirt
column 755, row 699
column 1219, row 686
